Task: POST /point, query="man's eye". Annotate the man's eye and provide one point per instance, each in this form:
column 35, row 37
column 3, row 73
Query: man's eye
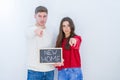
column 45, row 16
column 39, row 16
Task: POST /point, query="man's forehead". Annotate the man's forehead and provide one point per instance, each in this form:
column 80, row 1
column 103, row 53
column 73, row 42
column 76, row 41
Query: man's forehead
column 41, row 13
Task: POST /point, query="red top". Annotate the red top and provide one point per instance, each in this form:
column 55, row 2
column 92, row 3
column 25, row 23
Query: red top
column 72, row 56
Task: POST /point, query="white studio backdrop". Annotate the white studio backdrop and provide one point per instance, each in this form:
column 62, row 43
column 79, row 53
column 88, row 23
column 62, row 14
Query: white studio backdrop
column 98, row 22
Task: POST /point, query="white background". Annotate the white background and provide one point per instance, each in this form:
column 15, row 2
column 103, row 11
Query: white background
column 97, row 21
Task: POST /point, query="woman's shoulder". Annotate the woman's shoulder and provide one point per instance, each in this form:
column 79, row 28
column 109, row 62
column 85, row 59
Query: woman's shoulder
column 78, row 37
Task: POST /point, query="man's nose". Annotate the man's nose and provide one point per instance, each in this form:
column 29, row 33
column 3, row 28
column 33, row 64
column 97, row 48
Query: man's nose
column 42, row 18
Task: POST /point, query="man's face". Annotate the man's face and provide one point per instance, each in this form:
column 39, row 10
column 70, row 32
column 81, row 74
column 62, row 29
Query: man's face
column 41, row 18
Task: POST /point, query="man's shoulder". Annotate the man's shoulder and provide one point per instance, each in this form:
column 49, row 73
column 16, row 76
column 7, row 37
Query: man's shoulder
column 30, row 27
column 47, row 31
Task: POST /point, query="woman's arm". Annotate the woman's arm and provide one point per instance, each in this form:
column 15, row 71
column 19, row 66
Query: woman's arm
column 75, row 42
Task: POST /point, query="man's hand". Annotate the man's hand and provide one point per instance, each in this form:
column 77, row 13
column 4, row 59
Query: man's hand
column 38, row 32
column 59, row 63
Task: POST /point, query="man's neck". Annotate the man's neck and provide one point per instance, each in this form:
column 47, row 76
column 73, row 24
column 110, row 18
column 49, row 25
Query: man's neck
column 42, row 27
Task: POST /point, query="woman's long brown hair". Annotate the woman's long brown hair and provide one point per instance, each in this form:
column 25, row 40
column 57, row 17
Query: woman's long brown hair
column 61, row 34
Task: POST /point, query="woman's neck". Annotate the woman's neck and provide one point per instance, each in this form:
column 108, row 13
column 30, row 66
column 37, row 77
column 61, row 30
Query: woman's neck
column 67, row 35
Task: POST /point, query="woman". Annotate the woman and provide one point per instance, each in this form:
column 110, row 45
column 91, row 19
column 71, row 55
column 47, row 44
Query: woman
column 70, row 43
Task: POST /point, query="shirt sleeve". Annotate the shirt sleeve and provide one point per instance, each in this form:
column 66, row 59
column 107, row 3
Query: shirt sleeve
column 29, row 32
column 78, row 42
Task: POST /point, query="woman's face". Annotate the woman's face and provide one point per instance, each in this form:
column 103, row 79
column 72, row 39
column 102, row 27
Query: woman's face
column 66, row 28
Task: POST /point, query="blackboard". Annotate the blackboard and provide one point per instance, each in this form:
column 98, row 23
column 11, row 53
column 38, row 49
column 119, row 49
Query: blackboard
column 50, row 55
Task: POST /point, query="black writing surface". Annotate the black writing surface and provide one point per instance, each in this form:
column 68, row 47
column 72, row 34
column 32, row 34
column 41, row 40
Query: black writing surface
column 51, row 55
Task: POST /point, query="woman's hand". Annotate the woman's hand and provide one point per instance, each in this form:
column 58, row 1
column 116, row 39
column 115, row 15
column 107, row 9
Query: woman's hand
column 72, row 42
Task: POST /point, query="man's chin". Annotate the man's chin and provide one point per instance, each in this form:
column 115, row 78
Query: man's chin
column 42, row 24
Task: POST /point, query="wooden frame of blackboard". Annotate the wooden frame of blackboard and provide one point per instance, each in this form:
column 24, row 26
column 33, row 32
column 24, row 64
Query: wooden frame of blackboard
column 53, row 55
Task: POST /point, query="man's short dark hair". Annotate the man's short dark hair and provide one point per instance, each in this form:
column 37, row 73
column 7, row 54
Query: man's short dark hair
column 41, row 9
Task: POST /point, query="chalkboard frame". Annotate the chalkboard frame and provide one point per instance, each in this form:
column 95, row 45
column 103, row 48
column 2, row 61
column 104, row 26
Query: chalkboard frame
column 50, row 49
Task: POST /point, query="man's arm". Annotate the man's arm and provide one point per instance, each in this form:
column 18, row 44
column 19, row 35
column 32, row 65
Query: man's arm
column 33, row 31
column 30, row 32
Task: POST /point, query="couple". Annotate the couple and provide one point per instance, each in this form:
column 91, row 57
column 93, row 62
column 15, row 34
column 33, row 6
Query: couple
column 38, row 37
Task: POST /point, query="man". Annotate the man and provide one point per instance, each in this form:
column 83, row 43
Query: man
column 38, row 37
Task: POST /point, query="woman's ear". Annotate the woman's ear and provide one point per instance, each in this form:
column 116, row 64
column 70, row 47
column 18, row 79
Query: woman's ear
column 35, row 16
